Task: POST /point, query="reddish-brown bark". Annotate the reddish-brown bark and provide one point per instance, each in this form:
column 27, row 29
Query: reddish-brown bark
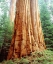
column 28, row 36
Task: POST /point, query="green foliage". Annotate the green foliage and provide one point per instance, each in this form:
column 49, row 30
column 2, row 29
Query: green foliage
column 6, row 27
column 6, row 30
column 44, row 57
column 2, row 0
column 24, row 61
column 46, row 23
column 8, row 62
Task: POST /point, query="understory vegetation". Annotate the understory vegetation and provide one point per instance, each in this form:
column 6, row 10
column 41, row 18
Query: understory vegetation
column 6, row 26
column 45, row 57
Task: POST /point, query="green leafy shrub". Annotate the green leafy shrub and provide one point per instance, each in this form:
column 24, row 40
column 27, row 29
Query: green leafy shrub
column 8, row 62
column 44, row 57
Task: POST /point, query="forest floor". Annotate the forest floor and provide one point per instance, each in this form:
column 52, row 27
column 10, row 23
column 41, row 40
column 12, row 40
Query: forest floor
column 45, row 57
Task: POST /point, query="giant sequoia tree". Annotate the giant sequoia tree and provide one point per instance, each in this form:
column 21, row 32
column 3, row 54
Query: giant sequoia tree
column 28, row 36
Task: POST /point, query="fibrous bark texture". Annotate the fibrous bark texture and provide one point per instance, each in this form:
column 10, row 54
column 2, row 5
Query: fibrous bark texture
column 28, row 36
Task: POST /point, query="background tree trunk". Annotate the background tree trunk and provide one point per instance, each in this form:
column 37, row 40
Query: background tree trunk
column 28, row 36
column 12, row 9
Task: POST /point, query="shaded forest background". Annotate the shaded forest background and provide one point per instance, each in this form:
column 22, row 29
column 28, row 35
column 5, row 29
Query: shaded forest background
column 6, row 25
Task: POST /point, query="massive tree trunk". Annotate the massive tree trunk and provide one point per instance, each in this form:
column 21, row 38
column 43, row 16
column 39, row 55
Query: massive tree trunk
column 28, row 36
column 12, row 9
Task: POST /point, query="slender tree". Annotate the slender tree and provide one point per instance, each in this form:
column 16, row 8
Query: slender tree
column 12, row 9
column 28, row 36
